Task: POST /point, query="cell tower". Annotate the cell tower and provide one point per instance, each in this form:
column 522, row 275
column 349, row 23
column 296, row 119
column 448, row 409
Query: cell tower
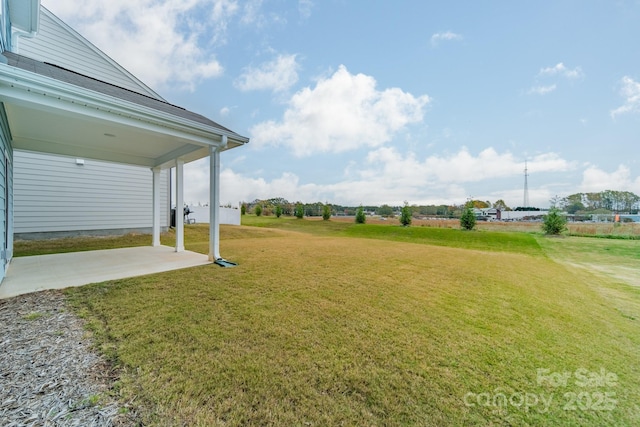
column 526, row 186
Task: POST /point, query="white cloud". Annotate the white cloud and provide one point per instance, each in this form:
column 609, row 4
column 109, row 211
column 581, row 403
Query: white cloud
column 561, row 70
column 554, row 73
column 457, row 168
column 304, row 8
column 388, row 176
column 278, row 75
column 630, row 91
column 341, row 113
column 542, row 90
column 161, row 42
column 595, row 179
column 243, row 188
column 251, row 12
column 444, row 36
column 236, row 187
column 254, row 15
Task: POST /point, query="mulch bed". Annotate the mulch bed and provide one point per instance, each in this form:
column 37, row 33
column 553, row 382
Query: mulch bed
column 49, row 374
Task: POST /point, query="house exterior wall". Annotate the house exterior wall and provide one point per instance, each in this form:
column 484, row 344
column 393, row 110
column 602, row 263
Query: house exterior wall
column 57, row 43
column 6, row 195
column 56, row 196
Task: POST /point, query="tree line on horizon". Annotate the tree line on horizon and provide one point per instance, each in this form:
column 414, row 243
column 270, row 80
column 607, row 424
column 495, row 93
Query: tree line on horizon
column 579, row 203
column 281, row 206
column 605, row 201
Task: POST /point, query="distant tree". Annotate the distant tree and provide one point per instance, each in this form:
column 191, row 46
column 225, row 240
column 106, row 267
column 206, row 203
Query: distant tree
column 299, row 211
column 574, row 199
column 405, row 215
column 288, row 209
column 554, row 223
column 385, row 210
column 277, row 201
column 480, row 204
column 500, row 204
column 360, row 216
column 555, row 201
column 278, row 211
column 313, row 209
column 574, row 207
column 468, row 219
column 610, row 200
column 326, row 212
column 243, row 209
column 258, row 210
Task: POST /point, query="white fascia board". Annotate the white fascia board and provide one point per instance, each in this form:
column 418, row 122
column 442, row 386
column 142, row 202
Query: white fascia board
column 22, row 85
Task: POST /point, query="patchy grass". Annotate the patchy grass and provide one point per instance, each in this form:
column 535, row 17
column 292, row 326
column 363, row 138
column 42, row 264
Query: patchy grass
column 35, row 315
column 487, row 240
column 314, row 226
column 593, row 250
column 607, row 230
column 478, row 240
column 78, row 244
column 320, row 326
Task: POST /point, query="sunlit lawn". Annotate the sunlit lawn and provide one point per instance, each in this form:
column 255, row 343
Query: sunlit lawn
column 336, row 324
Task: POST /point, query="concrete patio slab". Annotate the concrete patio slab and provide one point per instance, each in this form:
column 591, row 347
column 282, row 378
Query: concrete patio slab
column 58, row 271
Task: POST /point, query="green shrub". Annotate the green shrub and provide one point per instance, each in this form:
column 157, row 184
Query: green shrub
column 258, row 210
column 299, row 211
column 554, row 223
column 326, row 212
column 278, row 211
column 243, row 209
column 468, row 219
column 360, row 216
column 405, row 216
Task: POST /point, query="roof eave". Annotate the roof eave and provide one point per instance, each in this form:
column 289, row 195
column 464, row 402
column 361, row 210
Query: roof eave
column 15, row 80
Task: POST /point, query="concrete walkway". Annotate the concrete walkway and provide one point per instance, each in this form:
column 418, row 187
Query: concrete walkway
column 57, row 271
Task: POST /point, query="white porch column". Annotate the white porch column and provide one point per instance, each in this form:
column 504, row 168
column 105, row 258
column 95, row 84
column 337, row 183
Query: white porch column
column 214, row 200
column 179, row 206
column 156, row 207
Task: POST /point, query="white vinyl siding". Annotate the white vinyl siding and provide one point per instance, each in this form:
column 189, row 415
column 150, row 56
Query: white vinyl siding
column 54, row 194
column 56, row 43
column 6, row 196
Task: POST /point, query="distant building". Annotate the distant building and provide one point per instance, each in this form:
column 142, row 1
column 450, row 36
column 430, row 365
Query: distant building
column 487, row 214
column 493, row 214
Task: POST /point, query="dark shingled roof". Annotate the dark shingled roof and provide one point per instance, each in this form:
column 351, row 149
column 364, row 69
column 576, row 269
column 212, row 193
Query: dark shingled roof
column 71, row 77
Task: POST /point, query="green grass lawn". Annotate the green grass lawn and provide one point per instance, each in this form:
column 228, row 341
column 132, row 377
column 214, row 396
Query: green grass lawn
column 328, row 323
column 77, row 244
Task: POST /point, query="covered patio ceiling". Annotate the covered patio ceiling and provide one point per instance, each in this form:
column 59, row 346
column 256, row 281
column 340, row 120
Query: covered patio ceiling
column 53, row 110
column 61, row 132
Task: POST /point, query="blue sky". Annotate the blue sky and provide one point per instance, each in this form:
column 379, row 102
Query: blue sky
column 372, row 102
